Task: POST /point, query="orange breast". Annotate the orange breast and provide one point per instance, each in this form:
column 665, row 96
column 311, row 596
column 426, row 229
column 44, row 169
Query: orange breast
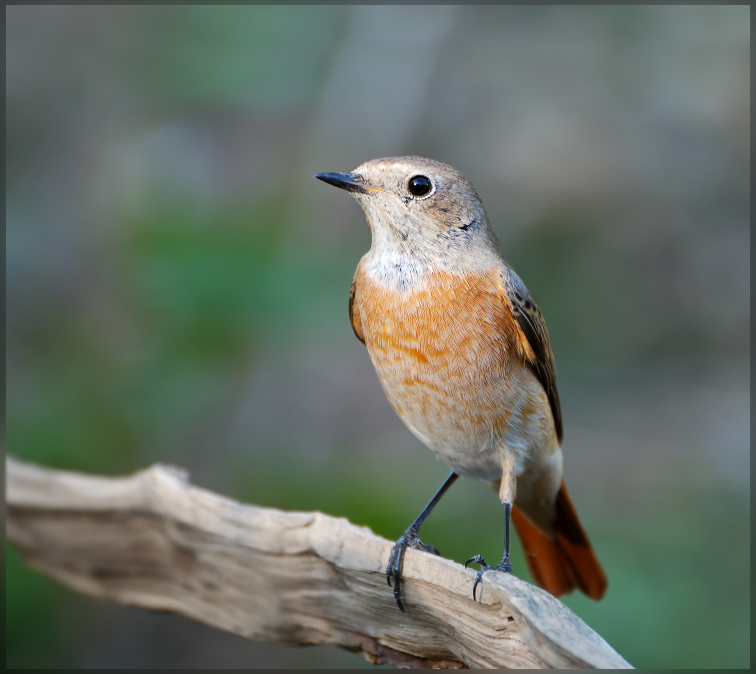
column 450, row 357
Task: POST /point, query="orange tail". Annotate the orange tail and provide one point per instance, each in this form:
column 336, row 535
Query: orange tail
column 561, row 565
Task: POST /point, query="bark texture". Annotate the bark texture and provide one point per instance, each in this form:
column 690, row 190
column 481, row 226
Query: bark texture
column 154, row 540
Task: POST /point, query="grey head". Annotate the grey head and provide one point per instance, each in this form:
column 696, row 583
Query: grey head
column 422, row 215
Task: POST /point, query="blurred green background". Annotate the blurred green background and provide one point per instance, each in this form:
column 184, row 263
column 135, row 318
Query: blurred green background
column 177, row 284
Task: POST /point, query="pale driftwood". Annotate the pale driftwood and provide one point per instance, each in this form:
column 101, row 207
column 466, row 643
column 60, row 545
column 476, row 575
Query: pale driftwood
column 154, row 540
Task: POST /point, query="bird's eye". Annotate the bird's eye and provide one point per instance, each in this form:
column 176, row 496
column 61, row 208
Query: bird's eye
column 419, row 186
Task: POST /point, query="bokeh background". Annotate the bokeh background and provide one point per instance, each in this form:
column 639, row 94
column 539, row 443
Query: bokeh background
column 177, row 284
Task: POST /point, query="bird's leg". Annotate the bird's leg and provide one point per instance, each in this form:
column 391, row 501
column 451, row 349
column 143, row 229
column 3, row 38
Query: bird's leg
column 507, row 496
column 410, row 539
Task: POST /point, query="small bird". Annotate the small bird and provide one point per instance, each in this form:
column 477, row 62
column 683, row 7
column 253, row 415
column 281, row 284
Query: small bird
column 463, row 355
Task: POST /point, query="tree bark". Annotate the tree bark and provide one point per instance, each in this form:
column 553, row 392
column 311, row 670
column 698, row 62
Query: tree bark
column 156, row 541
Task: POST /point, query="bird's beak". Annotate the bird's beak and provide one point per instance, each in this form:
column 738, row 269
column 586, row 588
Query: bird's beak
column 351, row 182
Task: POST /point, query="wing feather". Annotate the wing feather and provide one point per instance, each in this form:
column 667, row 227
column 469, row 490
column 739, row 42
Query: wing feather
column 533, row 328
column 354, row 313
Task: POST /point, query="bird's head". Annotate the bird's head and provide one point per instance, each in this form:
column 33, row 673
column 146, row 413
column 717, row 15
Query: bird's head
column 420, row 208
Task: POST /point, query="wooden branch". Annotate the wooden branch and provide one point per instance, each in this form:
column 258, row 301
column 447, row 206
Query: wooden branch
column 154, row 540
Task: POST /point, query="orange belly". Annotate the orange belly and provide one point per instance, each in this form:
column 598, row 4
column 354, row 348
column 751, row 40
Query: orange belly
column 448, row 357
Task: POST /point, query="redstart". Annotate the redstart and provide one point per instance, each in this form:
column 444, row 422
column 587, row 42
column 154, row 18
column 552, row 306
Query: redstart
column 463, row 355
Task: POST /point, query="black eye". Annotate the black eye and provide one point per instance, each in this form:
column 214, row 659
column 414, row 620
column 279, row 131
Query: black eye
column 419, row 185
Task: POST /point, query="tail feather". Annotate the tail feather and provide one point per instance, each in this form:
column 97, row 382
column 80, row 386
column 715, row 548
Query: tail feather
column 544, row 557
column 566, row 563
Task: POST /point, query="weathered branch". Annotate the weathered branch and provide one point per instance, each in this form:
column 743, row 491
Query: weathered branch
column 154, row 540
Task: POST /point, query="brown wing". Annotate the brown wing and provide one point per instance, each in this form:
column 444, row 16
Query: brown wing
column 354, row 312
column 533, row 328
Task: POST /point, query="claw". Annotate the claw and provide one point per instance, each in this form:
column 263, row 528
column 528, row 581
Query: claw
column 424, row 546
column 478, row 559
column 394, row 568
column 478, row 580
column 505, row 566
column 408, row 539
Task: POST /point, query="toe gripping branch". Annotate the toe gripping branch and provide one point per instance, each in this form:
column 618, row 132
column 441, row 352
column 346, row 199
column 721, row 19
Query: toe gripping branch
column 410, row 539
column 504, row 565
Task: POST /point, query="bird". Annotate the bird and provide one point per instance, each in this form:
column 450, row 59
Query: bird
column 463, row 355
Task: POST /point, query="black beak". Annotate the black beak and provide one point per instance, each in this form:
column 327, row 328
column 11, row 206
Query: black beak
column 351, row 182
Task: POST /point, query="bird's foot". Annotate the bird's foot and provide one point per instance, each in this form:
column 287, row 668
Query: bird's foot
column 408, row 539
column 504, row 565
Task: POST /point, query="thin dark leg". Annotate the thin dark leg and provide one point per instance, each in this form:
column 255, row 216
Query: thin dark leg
column 507, row 515
column 504, row 565
column 409, row 539
column 415, row 526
